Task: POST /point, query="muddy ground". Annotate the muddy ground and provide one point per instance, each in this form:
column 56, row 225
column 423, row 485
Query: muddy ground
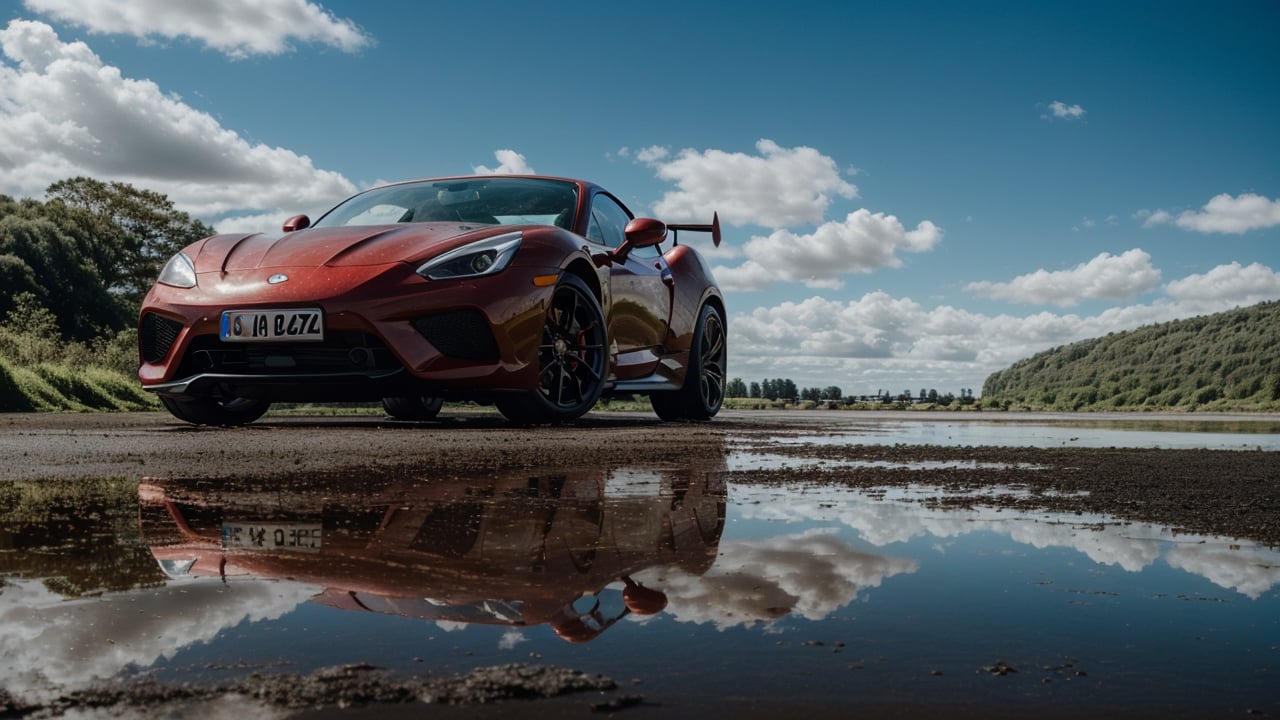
column 1235, row 493
column 1232, row 493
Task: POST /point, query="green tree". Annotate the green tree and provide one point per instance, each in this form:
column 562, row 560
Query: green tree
column 134, row 231
column 38, row 257
column 736, row 389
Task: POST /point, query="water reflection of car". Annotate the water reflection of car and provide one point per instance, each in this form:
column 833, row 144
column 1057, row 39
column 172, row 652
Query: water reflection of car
column 537, row 294
column 520, row 550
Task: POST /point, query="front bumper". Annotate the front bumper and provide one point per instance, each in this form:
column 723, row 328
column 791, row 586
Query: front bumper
column 388, row 331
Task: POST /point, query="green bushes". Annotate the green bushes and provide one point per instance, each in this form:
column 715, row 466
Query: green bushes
column 39, row 371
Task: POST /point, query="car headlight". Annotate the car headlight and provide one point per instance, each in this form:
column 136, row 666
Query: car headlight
column 177, row 568
column 179, row 272
column 483, row 257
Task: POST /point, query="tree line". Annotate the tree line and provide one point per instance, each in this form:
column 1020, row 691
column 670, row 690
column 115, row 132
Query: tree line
column 88, row 253
column 785, row 389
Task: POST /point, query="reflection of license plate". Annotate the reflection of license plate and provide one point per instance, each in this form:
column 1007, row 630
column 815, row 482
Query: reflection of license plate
column 297, row 537
column 272, row 325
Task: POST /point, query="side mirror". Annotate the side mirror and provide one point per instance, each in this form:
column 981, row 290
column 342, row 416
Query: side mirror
column 297, row 222
column 640, row 233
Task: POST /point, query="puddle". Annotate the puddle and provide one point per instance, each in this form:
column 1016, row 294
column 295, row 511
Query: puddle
column 773, row 461
column 699, row 593
column 1075, row 432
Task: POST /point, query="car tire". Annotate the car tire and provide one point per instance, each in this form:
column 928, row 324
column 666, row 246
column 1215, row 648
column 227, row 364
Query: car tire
column 225, row 412
column 412, row 408
column 572, row 356
column 702, row 394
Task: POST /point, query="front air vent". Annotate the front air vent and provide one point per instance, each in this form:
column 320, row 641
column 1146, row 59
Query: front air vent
column 462, row 334
column 341, row 352
column 156, row 336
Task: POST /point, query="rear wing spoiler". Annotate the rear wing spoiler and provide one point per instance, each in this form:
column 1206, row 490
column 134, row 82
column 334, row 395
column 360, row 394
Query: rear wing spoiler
column 713, row 228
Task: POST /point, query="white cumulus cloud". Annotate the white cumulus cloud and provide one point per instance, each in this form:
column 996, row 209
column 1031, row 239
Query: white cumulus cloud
column 878, row 341
column 1222, row 214
column 1105, row 277
column 64, row 113
column 1064, row 111
column 238, row 28
column 1243, row 285
column 652, row 154
column 863, row 242
column 510, row 162
column 780, row 187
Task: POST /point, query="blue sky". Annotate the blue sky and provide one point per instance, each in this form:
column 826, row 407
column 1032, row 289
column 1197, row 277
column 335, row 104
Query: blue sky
column 914, row 194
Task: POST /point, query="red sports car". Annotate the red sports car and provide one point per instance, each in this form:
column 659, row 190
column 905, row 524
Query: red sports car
column 537, row 294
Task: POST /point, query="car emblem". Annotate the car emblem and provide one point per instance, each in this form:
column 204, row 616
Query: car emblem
column 277, row 278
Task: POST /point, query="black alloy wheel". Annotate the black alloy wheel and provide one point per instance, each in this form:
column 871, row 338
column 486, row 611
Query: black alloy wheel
column 702, row 394
column 571, row 359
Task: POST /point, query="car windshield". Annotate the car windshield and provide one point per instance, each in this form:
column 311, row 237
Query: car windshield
column 494, row 200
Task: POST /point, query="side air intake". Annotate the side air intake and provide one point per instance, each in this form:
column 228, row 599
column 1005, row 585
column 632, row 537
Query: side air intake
column 462, row 334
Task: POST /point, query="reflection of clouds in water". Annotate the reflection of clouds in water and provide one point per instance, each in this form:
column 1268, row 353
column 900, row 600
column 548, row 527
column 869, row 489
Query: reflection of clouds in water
column 510, row 639
column 47, row 640
column 810, row 574
column 1249, row 571
column 883, row 522
column 1105, row 546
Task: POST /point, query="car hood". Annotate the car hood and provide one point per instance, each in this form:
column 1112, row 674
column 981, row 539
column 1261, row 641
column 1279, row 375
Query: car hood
column 337, row 246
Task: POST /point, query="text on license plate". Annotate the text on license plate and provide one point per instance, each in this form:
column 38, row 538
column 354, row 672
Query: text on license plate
column 297, row 537
column 268, row 325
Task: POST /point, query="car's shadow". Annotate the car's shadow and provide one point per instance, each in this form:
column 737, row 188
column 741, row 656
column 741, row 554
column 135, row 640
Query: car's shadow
column 446, row 421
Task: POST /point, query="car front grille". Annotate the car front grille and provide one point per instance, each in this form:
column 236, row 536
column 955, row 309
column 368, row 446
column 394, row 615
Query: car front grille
column 339, row 352
column 156, row 336
column 462, row 334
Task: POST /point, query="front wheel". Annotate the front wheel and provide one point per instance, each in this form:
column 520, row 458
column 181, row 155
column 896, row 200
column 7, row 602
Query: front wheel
column 225, row 411
column 571, row 360
column 412, row 408
column 702, row 394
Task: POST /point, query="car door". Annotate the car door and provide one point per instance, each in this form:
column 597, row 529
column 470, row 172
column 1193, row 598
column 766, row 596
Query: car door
column 640, row 289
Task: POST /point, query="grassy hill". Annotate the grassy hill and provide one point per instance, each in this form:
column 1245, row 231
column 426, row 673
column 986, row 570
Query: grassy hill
column 1224, row 362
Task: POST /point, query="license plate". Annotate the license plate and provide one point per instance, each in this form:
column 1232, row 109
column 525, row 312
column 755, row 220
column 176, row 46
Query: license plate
column 294, row 537
column 273, row 325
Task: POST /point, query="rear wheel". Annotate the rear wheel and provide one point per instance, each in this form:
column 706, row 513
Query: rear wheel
column 227, row 411
column 571, row 360
column 412, row 408
column 702, row 394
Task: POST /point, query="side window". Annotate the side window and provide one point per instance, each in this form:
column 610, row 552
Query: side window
column 608, row 219
column 608, row 224
column 594, row 230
